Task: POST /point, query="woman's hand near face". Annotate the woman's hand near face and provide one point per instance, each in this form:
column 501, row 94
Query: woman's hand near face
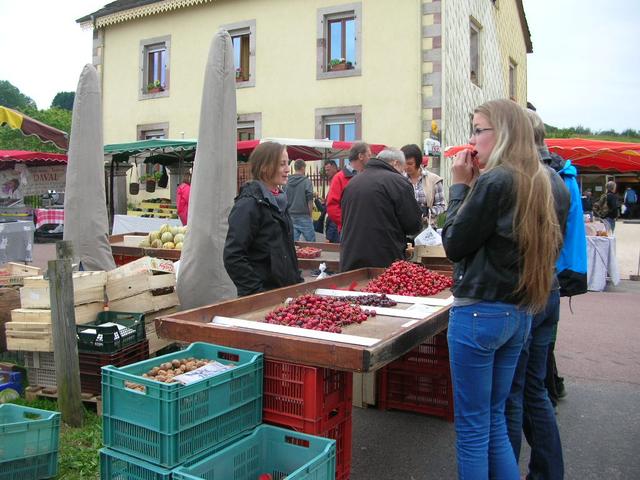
column 464, row 168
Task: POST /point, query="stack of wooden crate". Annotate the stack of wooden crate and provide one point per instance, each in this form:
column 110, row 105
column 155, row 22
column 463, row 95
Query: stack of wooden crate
column 30, row 325
column 144, row 286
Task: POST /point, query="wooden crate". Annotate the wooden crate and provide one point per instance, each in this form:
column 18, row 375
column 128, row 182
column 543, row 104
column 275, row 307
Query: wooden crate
column 145, row 302
column 84, row 314
column 119, row 287
column 155, row 341
column 13, row 274
column 39, row 297
column 29, row 336
column 142, row 265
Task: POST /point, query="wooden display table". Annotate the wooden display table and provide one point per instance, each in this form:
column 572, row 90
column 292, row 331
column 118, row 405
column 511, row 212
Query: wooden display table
column 126, row 250
column 378, row 341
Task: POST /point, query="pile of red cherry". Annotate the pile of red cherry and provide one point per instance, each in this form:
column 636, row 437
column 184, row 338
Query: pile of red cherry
column 326, row 314
column 411, row 279
column 307, row 252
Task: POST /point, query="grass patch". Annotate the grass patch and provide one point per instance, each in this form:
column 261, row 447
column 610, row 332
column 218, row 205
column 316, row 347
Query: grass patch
column 78, row 455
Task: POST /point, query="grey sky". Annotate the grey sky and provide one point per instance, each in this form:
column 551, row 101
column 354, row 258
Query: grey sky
column 585, row 66
column 585, row 69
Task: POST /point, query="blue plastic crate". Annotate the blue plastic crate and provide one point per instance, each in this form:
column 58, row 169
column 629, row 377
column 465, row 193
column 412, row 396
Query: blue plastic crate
column 114, row 464
column 30, row 468
column 169, row 423
column 25, row 432
column 279, row 452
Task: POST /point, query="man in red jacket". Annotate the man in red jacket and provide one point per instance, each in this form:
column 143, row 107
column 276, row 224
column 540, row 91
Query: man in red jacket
column 359, row 155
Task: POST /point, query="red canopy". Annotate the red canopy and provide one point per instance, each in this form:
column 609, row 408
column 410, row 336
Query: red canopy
column 307, row 149
column 27, row 156
column 601, row 154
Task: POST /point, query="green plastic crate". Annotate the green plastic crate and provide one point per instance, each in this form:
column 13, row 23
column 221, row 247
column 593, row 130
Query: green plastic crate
column 26, row 432
column 94, row 337
column 282, row 453
column 169, row 423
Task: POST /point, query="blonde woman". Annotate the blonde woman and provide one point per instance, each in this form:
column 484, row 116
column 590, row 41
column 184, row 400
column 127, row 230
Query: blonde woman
column 503, row 235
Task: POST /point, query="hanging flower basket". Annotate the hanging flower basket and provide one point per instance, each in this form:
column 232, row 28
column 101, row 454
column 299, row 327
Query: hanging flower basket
column 134, row 188
column 150, row 185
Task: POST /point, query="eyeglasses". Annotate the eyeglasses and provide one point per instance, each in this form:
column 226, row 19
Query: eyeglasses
column 478, row 131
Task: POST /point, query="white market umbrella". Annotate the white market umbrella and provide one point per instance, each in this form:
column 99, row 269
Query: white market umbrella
column 86, row 223
column 203, row 279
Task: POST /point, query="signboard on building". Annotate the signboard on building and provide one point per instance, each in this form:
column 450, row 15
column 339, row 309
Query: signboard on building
column 23, row 180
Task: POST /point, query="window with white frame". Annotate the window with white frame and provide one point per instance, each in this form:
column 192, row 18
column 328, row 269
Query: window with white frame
column 339, row 45
column 154, row 67
column 474, row 52
column 513, row 79
column 340, row 124
column 150, row 132
column 243, row 38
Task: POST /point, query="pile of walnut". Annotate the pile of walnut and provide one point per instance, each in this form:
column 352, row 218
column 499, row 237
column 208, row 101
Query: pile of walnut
column 166, row 371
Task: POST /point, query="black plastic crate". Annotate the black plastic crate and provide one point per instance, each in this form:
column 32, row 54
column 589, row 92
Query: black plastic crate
column 96, row 337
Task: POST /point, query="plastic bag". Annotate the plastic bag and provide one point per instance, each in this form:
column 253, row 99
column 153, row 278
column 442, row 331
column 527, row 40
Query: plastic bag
column 428, row 237
column 323, row 274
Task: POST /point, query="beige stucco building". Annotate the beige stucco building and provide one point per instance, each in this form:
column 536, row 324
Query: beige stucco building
column 387, row 72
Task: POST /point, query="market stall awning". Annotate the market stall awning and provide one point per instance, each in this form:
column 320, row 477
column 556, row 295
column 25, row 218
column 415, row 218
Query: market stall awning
column 306, row 149
column 599, row 154
column 28, row 156
column 31, row 126
column 165, row 151
column 150, row 147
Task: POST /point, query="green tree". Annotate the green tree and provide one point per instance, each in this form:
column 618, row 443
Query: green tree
column 14, row 140
column 12, row 97
column 63, row 100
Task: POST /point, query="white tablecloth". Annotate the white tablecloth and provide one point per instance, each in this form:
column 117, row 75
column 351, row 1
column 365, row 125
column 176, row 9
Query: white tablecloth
column 127, row 224
column 601, row 262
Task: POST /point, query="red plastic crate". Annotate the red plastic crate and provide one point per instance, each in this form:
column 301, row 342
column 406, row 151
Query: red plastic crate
column 430, row 356
column 92, row 362
column 428, row 393
column 123, row 259
column 304, row 398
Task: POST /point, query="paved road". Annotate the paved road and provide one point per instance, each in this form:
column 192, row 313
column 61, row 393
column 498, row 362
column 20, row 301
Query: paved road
column 599, row 356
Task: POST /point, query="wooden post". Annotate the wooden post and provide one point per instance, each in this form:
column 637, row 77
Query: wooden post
column 65, row 344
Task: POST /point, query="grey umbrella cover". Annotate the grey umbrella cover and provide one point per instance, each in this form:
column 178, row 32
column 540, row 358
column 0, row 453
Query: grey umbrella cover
column 86, row 223
column 203, row 279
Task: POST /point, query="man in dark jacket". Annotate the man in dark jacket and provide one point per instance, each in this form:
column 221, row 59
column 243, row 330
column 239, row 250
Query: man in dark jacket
column 379, row 210
column 253, row 260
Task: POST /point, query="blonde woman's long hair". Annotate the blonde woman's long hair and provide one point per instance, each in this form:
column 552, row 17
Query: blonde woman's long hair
column 535, row 223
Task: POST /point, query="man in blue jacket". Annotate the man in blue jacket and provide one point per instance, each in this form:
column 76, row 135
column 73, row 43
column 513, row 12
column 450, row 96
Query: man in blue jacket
column 529, row 408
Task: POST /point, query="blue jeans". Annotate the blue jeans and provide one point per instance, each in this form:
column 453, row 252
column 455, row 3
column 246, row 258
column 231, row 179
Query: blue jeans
column 528, row 405
column 303, row 225
column 331, row 232
column 485, row 340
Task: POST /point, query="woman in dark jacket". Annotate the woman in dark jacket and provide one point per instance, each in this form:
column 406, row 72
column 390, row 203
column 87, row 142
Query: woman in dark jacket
column 259, row 253
column 502, row 233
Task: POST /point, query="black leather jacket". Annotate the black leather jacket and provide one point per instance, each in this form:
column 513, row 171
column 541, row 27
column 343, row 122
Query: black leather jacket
column 479, row 236
column 259, row 252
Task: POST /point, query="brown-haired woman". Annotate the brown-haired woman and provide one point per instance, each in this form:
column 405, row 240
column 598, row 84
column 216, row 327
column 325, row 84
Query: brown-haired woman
column 503, row 235
column 259, row 252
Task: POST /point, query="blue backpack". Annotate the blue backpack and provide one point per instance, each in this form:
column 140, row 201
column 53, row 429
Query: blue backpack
column 630, row 197
column 572, row 263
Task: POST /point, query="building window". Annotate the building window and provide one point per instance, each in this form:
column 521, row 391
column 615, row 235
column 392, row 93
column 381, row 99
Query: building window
column 340, row 127
column 249, row 126
column 513, row 78
column 474, row 52
column 154, row 67
column 243, row 38
column 340, row 124
column 151, row 132
column 339, row 42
